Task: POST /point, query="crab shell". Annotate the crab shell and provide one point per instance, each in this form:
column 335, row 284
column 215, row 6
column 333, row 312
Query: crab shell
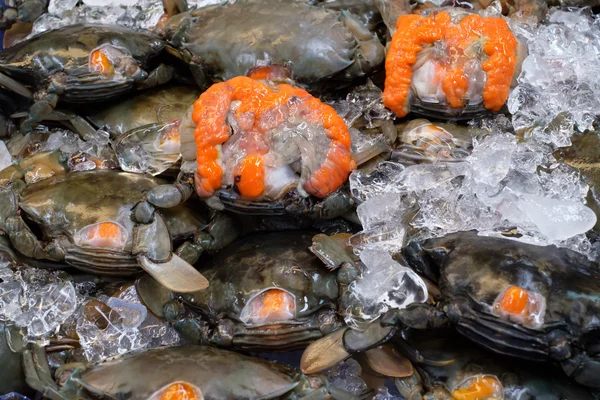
column 216, row 373
column 472, row 272
column 11, row 369
column 517, row 378
column 474, row 84
column 313, row 39
column 67, row 50
column 68, row 205
column 246, row 270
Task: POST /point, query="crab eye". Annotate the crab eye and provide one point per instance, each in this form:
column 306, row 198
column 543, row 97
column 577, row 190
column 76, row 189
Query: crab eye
column 270, row 305
column 104, row 234
column 178, row 391
column 168, row 141
column 99, row 62
column 479, row 387
column 521, row 305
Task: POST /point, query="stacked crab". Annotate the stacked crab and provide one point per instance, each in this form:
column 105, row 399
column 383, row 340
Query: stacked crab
column 243, row 200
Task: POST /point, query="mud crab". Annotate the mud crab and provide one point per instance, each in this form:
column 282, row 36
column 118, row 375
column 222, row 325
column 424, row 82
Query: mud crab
column 449, row 62
column 90, row 222
column 475, row 374
column 81, row 63
column 531, row 302
column 256, row 141
column 267, row 292
column 320, row 44
column 186, row 372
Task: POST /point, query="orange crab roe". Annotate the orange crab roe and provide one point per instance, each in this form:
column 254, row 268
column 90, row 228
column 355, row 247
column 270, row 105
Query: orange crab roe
column 210, row 113
column 106, row 230
column 179, row 391
column 274, row 301
column 99, row 62
column 515, row 300
column 484, row 387
column 414, row 31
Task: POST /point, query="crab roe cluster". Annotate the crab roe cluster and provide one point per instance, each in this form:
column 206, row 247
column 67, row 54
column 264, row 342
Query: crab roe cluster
column 279, row 131
column 446, row 57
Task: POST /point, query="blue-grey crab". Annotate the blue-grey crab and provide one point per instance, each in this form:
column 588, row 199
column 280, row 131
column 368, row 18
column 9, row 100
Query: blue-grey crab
column 267, row 291
column 532, row 302
column 106, row 222
column 476, row 374
column 319, row 44
column 81, row 63
column 177, row 373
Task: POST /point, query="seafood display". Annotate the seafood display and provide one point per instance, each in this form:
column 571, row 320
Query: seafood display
column 299, row 199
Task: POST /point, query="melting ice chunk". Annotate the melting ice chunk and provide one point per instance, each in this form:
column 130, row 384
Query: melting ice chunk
column 5, row 158
column 557, row 219
column 346, row 376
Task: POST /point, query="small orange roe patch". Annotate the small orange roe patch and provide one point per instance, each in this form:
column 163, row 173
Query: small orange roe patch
column 179, row 391
column 484, row 387
column 210, row 113
column 415, row 31
column 250, row 176
column 100, row 63
column 273, row 301
column 515, row 300
column 107, row 230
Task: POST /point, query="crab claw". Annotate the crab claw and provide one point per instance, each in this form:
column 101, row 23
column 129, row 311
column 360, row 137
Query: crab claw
column 152, row 244
column 386, row 360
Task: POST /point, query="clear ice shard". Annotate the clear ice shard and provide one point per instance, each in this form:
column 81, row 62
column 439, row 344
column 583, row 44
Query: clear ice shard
column 37, row 300
column 385, row 284
column 557, row 219
column 5, row 157
column 134, row 329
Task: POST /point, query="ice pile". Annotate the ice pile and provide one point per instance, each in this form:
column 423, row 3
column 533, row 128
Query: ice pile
column 36, row 299
column 503, row 185
column 558, row 89
column 138, row 14
column 384, row 394
column 129, row 327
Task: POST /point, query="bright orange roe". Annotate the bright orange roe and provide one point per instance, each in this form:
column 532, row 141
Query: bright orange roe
column 210, row 113
column 106, row 230
column 480, row 389
column 179, row 391
column 515, row 300
column 414, row 31
column 273, row 301
column 100, row 63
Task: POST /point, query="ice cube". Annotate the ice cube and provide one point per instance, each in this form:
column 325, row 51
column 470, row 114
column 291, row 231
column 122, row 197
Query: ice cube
column 61, row 6
column 385, row 284
column 492, row 158
column 557, row 219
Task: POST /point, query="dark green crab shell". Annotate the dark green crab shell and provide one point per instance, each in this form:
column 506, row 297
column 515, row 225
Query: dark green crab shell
column 312, row 39
column 472, row 270
column 64, row 204
column 67, row 50
column 219, row 374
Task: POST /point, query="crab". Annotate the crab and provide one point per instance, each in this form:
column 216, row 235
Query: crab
column 449, row 62
column 255, row 142
column 81, row 63
column 521, row 300
column 321, row 45
column 186, row 372
column 90, row 222
column 267, row 291
column 476, row 374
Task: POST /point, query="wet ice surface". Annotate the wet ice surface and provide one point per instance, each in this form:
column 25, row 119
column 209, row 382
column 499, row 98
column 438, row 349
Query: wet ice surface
column 37, row 300
column 139, row 14
column 130, row 328
column 385, row 284
column 558, row 89
column 384, row 394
